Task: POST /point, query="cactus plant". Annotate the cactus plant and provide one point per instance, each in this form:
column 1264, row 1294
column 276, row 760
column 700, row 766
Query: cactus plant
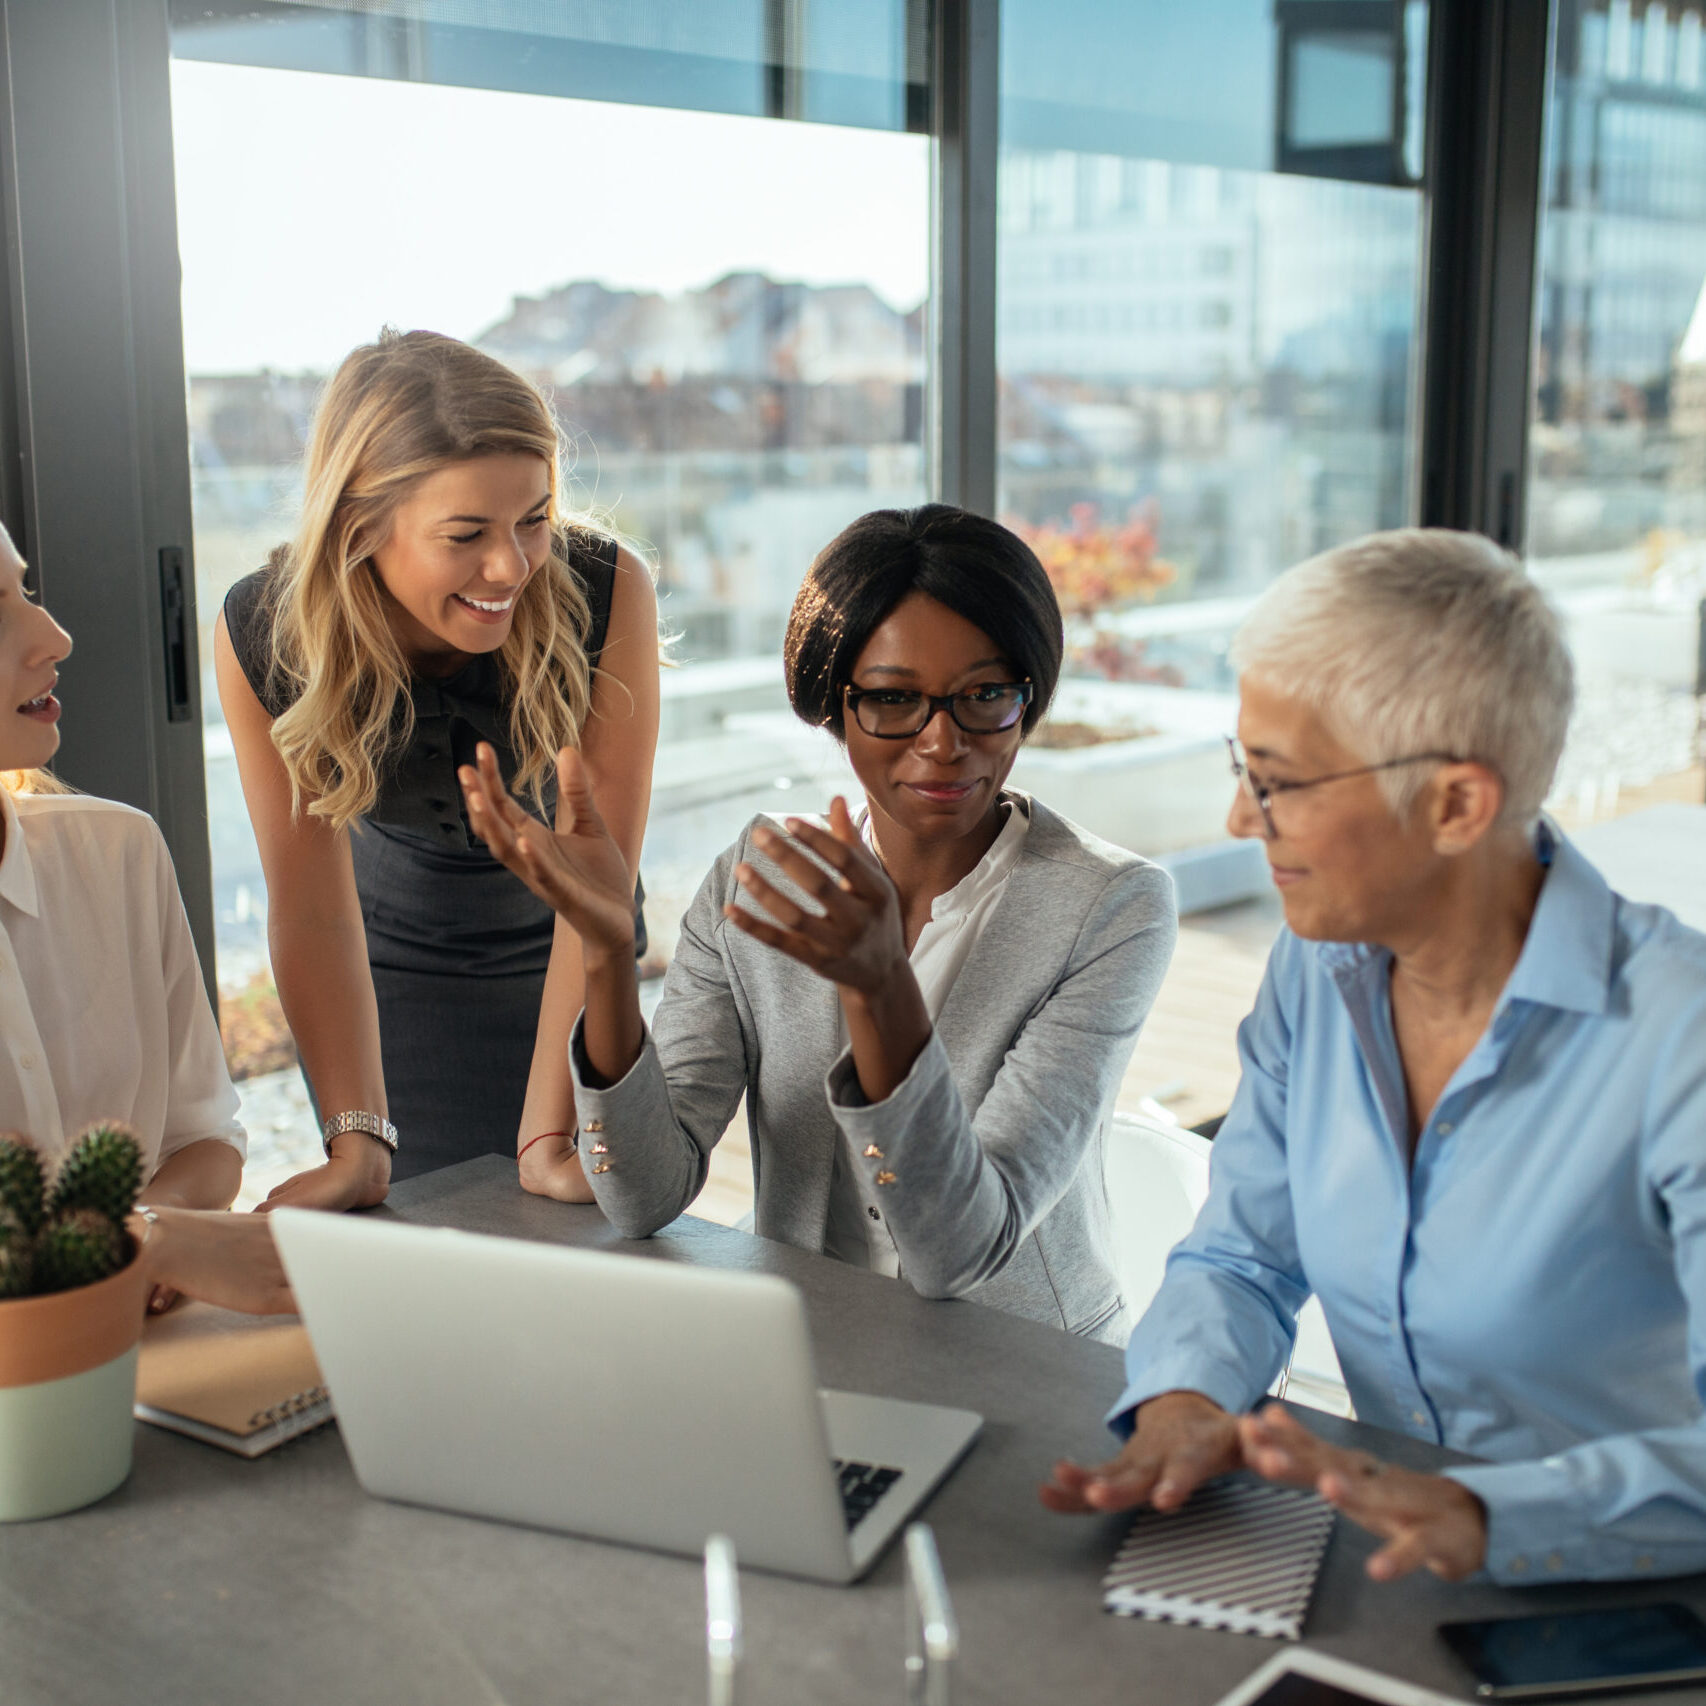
column 102, row 1170
column 21, row 1186
column 17, row 1254
column 76, row 1248
column 73, row 1234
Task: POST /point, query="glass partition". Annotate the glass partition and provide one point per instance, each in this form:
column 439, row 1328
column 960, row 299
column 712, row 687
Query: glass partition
column 1617, row 449
column 1210, row 283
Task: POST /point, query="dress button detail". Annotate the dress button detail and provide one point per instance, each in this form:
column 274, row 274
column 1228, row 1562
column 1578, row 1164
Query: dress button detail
column 600, row 1149
column 593, row 1125
column 602, row 1167
column 27, row 1062
column 1554, row 1562
column 885, row 1177
column 1418, row 1418
column 873, row 1214
column 1518, row 1566
column 872, row 1152
column 1445, row 1128
column 1644, row 1562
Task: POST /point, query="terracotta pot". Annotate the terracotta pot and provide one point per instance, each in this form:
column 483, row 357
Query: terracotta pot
column 67, row 1385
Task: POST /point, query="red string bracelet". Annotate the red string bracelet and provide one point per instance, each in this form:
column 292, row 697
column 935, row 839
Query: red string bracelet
column 540, row 1139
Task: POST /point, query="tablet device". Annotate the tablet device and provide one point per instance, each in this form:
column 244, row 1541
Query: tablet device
column 1576, row 1653
column 1303, row 1677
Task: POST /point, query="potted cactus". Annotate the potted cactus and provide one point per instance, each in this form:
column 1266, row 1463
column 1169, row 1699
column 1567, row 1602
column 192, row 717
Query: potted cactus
column 72, row 1297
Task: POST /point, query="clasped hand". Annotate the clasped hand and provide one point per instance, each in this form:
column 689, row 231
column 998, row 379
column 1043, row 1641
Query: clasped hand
column 854, row 937
column 1182, row 1439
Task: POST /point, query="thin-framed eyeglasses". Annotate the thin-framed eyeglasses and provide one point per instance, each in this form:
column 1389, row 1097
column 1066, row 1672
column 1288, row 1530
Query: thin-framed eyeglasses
column 895, row 713
column 1262, row 793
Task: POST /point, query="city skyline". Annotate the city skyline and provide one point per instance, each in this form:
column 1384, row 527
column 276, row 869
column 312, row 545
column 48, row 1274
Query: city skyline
column 288, row 262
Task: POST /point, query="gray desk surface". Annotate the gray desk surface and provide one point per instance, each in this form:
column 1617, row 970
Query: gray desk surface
column 210, row 1579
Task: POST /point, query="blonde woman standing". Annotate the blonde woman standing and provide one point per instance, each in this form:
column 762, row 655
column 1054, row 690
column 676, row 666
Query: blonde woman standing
column 432, row 598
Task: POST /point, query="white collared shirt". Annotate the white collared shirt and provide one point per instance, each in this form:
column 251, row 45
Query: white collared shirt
column 957, row 919
column 103, row 1013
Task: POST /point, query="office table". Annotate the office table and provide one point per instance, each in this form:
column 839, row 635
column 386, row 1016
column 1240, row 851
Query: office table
column 209, row 1579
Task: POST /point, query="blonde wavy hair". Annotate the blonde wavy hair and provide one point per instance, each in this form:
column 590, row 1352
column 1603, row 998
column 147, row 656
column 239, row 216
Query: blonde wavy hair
column 33, row 782
column 394, row 412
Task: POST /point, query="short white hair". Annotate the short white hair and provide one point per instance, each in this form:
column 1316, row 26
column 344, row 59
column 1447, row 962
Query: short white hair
column 1421, row 640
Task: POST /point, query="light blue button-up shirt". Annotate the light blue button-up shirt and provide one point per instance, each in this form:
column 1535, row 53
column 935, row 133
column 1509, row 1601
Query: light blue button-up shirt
column 1532, row 1287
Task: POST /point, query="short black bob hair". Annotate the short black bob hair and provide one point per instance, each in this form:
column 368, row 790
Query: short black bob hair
column 974, row 566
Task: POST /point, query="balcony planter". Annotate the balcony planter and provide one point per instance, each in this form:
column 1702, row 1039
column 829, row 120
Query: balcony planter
column 67, row 1385
column 1161, row 791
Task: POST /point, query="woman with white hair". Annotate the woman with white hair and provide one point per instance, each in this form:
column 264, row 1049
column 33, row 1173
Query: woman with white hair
column 1471, row 1113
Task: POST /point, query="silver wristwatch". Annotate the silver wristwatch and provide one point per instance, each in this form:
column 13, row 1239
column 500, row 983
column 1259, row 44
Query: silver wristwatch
column 359, row 1120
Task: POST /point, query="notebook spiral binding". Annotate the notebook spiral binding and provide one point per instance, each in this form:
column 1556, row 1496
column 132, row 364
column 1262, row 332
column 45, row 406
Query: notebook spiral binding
column 295, row 1405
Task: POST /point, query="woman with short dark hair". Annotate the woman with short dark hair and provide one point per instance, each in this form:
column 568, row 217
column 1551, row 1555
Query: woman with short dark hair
column 929, row 1010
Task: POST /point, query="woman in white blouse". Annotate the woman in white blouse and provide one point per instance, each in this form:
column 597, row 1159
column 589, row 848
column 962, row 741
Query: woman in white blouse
column 103, row 1013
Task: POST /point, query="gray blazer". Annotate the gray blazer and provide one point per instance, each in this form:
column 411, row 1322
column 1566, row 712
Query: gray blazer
column 994, row 1141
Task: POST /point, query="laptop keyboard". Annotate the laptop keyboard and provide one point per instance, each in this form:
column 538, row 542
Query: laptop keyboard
column 862, row 1484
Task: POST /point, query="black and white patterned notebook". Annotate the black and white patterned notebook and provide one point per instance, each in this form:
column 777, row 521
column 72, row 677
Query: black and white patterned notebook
column 1242, row 1555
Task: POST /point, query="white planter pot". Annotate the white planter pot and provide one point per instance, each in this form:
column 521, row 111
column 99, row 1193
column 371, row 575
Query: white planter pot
column 67, row 1387
column 1156, row 794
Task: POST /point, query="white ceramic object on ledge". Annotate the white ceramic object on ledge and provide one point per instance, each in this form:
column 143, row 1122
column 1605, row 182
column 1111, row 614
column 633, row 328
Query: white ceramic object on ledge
column 67, row 1387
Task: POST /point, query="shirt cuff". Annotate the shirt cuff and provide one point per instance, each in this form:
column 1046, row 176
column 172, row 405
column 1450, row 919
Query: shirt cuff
column 1539, row 1529
column 589, row 1099
column 853, row 1111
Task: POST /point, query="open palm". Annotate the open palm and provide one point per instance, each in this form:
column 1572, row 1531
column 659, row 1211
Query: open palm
column 577, row 870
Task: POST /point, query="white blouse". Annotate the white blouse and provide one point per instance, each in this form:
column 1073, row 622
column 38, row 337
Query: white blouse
column 103, row 1013
column 957, row 919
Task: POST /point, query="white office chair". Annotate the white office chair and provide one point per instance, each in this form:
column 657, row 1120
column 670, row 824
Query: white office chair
column 1157, row 1173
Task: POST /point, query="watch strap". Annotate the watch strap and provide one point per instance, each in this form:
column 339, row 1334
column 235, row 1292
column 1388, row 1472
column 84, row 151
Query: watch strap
column 358, row 1119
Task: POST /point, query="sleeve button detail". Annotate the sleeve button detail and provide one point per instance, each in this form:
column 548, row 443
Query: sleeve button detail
column 1554, row 1562
column 1644, row 1562
column 593, row 1125
column 1518, row 1566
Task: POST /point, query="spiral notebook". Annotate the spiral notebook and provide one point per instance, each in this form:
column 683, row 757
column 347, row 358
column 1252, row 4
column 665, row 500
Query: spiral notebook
column 1242, row 1555
column 242, row 1382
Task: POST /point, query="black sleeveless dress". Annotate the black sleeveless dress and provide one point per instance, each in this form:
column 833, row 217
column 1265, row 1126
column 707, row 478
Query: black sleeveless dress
column 458, row 946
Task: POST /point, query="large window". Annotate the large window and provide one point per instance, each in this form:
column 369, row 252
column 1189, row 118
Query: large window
column 737, row 384
column 1207, row 372
column 706, row 231
column 1617, row 481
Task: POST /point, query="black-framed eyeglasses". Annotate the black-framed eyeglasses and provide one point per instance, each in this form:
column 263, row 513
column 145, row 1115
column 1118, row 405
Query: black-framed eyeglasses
column 895, row 713
column 1262, row 793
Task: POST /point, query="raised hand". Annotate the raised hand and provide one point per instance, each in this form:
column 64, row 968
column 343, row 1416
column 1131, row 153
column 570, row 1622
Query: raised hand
column 1427, row 1521
column 855, row 938
column 578, row 870
column 1181, row 1440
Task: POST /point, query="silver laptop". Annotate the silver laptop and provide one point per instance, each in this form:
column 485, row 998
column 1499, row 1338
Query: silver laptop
column 644, row 1401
